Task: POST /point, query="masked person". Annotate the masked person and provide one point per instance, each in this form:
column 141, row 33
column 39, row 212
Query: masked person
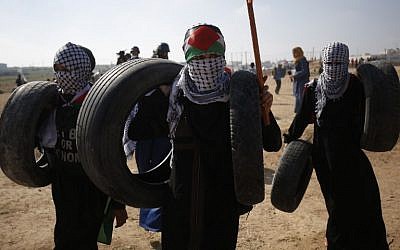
column 78, row 202
column 147, row 136
column 335, row 102
column 300, row 77
column 202, row 212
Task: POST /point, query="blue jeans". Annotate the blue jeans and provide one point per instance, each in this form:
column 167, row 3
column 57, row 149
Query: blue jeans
column 149, row 153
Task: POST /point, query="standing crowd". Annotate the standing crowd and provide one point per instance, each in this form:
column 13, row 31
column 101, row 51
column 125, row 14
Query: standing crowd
column 191, row 118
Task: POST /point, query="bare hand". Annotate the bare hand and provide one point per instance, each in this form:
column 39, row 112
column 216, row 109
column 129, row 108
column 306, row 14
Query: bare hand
column 265, row 78
column 121, row 216
column 266, row 99
column 165, row 89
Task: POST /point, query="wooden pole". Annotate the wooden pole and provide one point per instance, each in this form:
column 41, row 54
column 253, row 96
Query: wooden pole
column 256, row 50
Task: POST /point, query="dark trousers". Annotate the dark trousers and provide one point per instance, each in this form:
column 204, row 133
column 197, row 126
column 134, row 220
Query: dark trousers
column 202, row 213
column 278, row 86
column 79, row 212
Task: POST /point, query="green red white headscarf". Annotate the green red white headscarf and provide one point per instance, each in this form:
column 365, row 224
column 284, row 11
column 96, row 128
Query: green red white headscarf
column 202, row 80
column 203, row 40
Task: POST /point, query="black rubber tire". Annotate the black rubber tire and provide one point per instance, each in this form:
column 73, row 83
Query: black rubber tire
column 100, row 128
column 292, row 176
column 27, row 106
column 246, row 138
column 382, row 106
column 158, row 174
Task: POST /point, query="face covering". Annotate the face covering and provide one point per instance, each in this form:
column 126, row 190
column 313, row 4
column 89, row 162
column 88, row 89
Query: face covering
column 333, row 81
column 77, row 68
column 206, row 73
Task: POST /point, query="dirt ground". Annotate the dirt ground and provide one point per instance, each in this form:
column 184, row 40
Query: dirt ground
column 27, row 215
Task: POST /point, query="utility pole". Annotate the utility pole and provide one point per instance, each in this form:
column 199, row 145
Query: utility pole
column 245, row 58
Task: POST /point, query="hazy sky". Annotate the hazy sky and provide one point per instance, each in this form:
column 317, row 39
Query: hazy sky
column 31, row 31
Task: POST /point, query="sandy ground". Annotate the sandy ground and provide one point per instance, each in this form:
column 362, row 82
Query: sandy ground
column 27, row 214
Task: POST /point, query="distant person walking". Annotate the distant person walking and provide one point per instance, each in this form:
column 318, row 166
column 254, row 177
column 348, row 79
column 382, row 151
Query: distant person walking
column 279, row 73
column 300, row 77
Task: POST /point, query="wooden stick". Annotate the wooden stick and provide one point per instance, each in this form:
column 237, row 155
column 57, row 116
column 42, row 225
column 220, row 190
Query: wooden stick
column 257, row 57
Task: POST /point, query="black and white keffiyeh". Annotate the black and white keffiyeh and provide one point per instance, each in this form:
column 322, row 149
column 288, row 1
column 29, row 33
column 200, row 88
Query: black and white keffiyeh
column 202, row 81
column 78, row 68
column 333, row 81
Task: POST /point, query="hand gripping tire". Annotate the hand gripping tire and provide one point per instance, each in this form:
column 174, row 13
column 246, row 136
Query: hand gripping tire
column 27, row 106
column 382, row 106
column 246, row 138
column 292, row 176
column 100, row 127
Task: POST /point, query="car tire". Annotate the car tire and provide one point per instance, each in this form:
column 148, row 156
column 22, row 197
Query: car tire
column 20, row 120
column 292, row 176
column 382, row 106
column 246, row 138
column 100, row 127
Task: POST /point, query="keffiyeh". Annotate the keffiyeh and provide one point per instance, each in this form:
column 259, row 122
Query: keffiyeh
column 334, row 79
column 78, row 68
column 202, row 81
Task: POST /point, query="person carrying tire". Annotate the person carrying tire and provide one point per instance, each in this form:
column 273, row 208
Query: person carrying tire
column 148, row 130
column 78, row 202
column 335, row 104
column 203, row 212
column 148, row 136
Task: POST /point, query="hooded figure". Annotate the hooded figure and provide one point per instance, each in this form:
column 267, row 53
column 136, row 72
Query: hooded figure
column 335, row 102
column 202, row 212
column 79, row 204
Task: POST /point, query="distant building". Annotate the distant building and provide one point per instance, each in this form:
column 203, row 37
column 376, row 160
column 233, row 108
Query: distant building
column 3, row 67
